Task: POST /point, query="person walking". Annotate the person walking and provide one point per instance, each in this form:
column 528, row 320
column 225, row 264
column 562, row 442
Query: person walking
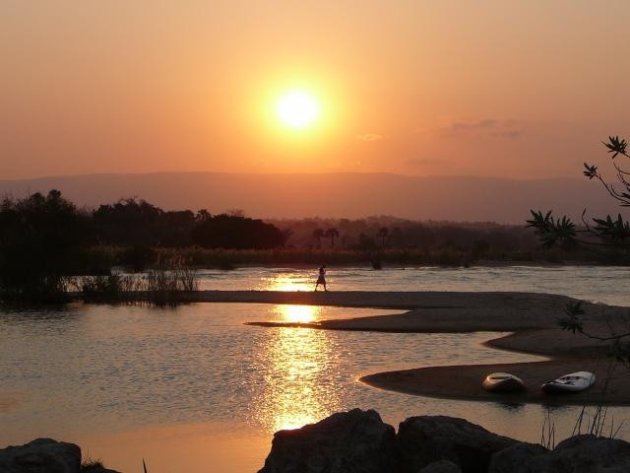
column 321, row 278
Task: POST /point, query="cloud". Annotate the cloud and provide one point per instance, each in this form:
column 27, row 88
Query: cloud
column 369, row 137
column 509, row 129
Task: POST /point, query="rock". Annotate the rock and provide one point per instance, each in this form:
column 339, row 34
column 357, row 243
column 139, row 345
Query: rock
column 427, row 439
column 97, row 469
column 347, row 442
column 588, row 453
column 583, row 453
column 520, row 458
column 441, row 466
column 41, row 456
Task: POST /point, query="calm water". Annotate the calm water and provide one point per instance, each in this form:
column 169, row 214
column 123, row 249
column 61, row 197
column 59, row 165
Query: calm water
column 595, row 283
column 193, row 389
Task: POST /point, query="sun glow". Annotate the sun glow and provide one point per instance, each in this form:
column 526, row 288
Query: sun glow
column 298, row 109
column 298, row 314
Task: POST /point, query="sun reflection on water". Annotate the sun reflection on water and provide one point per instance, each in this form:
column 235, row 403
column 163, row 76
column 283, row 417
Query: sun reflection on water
column 299, row 314
column 296, row 392
column 288, row 282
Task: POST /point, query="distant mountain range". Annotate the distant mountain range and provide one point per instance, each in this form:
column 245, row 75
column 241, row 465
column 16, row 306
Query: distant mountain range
column 337, row 195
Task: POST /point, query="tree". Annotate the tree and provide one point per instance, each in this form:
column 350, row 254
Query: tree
column 318, row 234
column 619, row 338
column 383, row 233
column 128, row 222
column 234, row 232
column 40, row 242
column 609, row 232
column 332, row 233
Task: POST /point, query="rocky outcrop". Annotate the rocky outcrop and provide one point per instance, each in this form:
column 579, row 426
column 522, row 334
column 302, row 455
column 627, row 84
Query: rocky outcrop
column 583, row 453
column 41, row 455
column 589, row 453
column 348, row 442
column 359, row 442
column 45, row 456
column 520, row 458
column 426, row 439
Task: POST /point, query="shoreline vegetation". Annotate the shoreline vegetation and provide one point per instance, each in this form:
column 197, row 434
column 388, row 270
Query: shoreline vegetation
column 50, row 251
column 47, row 244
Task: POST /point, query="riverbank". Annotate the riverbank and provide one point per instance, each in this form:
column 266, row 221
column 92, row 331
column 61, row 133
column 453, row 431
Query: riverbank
column 531, row 317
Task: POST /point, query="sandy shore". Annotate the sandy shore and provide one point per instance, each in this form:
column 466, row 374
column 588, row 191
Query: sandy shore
column 531, row 317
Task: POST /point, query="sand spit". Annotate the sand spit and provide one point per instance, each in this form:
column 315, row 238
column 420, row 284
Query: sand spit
column 531, row 317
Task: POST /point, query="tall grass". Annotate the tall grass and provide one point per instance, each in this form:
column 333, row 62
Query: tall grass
column 162, row 285
column 548, row 432
column 592, row 420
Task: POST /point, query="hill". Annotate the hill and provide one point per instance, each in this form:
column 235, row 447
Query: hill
column 336, row 195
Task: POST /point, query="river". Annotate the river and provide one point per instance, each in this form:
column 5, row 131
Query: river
column 193, row 389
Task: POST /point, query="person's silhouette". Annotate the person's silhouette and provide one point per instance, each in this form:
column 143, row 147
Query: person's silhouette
column 321, row 278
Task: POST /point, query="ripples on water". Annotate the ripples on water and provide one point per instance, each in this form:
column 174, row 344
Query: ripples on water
column 594, row 283
column 96, row 368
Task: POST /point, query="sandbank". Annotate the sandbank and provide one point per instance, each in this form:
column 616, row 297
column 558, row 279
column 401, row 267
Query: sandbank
column 532, row 317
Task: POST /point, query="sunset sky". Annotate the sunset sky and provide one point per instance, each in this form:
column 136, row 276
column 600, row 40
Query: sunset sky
column 520, row 89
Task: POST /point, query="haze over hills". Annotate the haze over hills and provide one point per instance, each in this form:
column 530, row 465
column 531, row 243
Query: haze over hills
column 336, row 195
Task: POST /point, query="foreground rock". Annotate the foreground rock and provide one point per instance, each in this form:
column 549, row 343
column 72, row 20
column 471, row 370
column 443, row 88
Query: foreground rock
column 348, row 442
column 359, row 442
column 45, row 456
column 427, row 439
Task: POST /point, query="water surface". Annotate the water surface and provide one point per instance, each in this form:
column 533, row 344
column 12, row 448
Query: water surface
column 193, row 389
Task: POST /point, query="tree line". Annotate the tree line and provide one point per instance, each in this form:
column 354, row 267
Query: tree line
column 45, row 238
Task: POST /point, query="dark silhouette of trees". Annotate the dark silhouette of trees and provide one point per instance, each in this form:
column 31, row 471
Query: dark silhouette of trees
column 174, row 228
column 608, row 231
column 318, row 234
column 137, row 223
column 234, row 232
column 612, row 233
column 202, row 215
column 383, row 233
column 332, row 233
column 40, row 242
column 127, row 222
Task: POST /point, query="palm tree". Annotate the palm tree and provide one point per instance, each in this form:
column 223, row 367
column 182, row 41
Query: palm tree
column 318, row 233
column 332, row 233
column 383, row 232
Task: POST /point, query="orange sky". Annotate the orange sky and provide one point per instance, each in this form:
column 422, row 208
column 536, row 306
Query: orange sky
column 516, row 89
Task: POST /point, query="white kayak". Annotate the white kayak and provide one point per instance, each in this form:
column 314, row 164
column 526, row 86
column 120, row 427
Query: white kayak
column 572, row 382
column 503, row 383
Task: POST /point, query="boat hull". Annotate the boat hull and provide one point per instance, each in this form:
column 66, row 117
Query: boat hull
column 570, row 383
column 503, row 383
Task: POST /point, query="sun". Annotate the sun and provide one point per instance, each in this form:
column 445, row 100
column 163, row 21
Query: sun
column 298, row 109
